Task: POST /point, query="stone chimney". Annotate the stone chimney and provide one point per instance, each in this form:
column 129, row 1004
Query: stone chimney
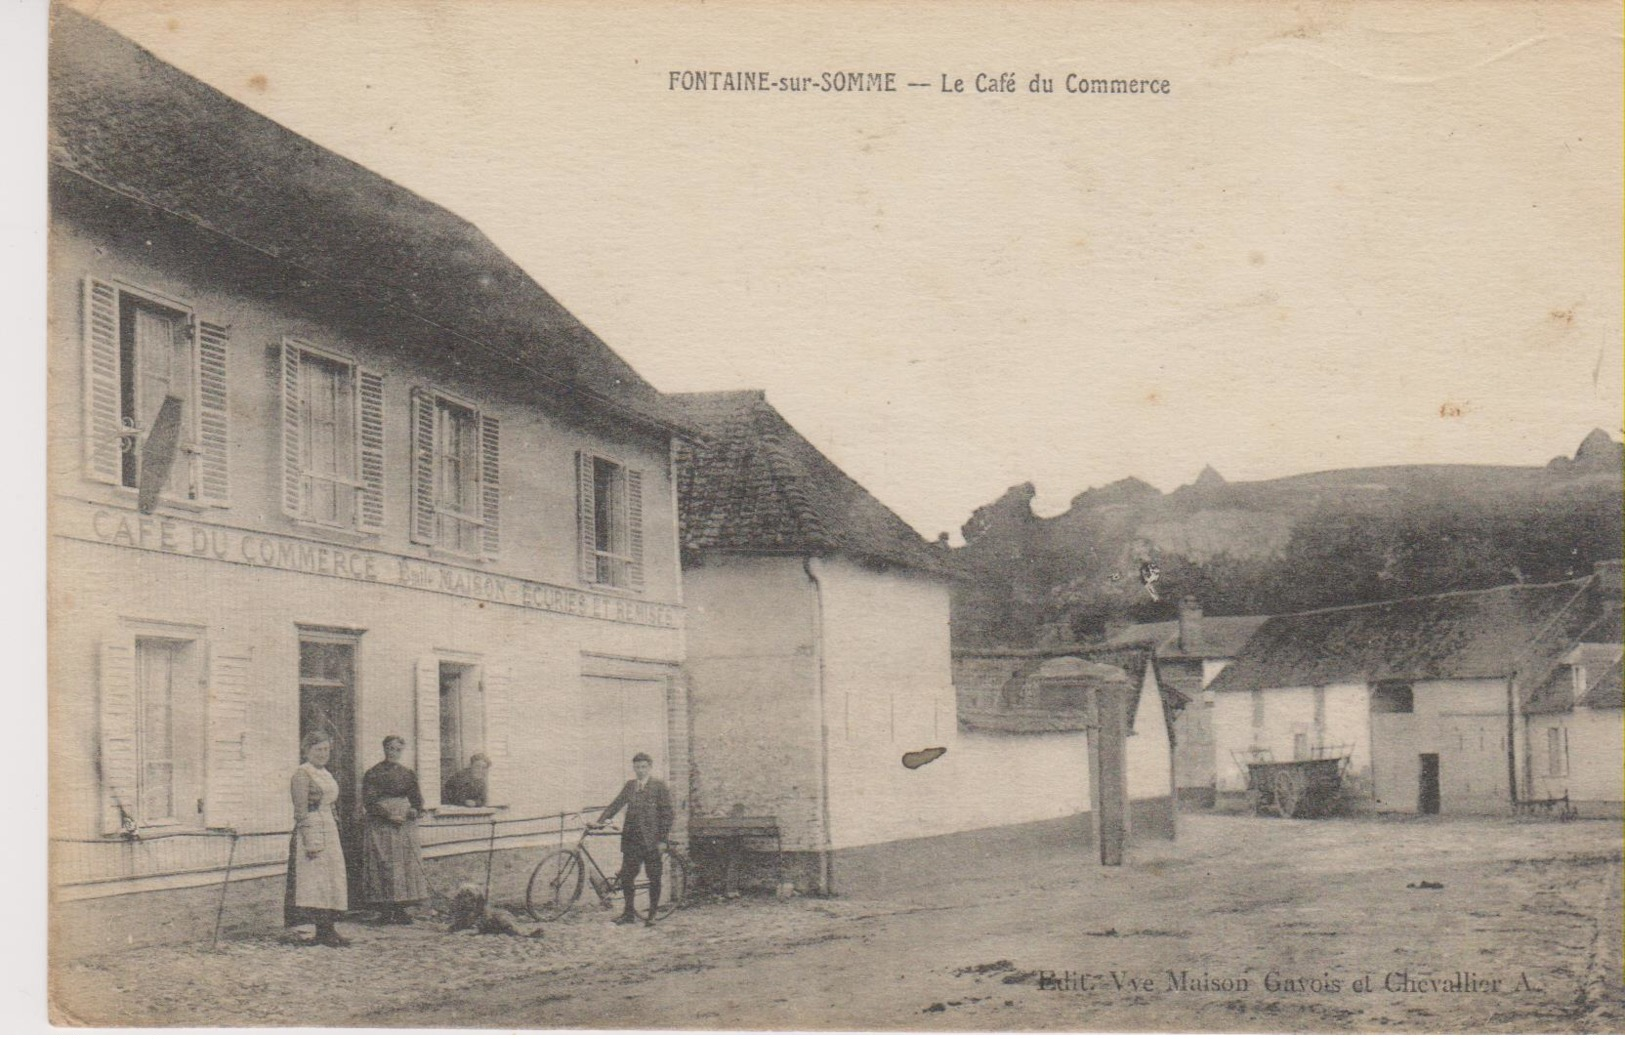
column 1190, row 623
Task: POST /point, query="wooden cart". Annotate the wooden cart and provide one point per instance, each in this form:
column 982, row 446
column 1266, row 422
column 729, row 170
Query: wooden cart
column 1306, row 787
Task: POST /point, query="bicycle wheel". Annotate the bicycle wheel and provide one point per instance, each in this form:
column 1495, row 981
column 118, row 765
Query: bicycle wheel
column 673, row 887
column 554, row 885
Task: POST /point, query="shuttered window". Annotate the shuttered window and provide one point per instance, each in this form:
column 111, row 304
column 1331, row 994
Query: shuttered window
column 140, row 352
column 332, row 440
column 611, row 522
column 456, row 473
column 152, row 754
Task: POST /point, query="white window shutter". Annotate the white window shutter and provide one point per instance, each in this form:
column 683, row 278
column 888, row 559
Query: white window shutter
column 490, row 486
column 634, row 529
column 370, row 437
column 225, row 798
column 102, row 427
column 499, row 722
column 213, row 418
column 293, row 459
column 423, row 518
column 120, row 756
column 428, row 741
column 586, row 513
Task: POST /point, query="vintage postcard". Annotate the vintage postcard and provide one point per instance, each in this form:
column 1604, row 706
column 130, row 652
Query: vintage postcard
column 996, row 516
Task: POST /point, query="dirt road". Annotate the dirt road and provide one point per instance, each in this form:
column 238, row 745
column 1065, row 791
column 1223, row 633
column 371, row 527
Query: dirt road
column 1243, row 925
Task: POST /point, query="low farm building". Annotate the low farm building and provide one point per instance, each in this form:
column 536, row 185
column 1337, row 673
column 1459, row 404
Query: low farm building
column 1425, row 695
column 818, row 657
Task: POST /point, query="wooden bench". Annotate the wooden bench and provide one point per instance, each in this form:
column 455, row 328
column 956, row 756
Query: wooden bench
column 731, row 834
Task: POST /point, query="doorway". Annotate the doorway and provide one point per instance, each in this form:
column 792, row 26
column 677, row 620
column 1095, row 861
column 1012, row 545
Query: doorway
column 327, row 704
column 1427, row 798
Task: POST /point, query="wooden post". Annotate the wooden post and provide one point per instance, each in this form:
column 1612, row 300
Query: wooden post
column 1111, row 746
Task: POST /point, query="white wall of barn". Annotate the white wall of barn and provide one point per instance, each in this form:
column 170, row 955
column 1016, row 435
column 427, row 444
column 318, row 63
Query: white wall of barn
column 754, row 641
column 1287, row 714
column 1148, row 752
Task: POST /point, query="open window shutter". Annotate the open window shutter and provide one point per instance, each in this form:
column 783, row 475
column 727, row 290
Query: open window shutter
column 370, row 507
column 634, row 529
column 120, row 760
column 225, row 799
column 428, row 741
column 490, row 488
column 293, row 461
column 102, row 444
column 499, row 723
column 586, row 510
column 423, row 521
column 214, row 434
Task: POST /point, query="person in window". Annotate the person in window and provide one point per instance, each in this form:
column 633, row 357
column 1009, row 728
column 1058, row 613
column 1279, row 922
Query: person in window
column 643, row 836
column 392, row 874
column 317, row 889
column 466, row 787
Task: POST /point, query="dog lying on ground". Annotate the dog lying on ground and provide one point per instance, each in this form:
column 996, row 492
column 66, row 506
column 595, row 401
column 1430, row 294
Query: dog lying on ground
column 471, row 912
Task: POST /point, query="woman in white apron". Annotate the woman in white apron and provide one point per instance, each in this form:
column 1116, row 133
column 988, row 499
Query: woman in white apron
column 317, row 884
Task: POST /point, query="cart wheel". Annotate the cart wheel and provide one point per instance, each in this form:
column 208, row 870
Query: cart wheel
column 1289, row 787
column 554, row 885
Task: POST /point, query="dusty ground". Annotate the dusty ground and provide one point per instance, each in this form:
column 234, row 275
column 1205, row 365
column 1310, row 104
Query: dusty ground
column 1529, row 917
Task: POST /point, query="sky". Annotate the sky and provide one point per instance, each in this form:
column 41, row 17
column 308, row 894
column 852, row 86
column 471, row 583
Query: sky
column 1348, row 235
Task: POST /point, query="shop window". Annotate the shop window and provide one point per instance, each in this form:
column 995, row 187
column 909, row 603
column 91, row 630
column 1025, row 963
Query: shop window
column 332, row 440
column 611, row 516
column 143, row 354
column 455, row 492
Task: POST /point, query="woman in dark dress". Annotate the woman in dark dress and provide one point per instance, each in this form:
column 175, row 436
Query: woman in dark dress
column 392, row 875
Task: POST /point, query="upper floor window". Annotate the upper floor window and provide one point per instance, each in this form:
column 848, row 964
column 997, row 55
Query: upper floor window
column 456, row 495
column 611, row 522
column 155, row 387
column 332, row 440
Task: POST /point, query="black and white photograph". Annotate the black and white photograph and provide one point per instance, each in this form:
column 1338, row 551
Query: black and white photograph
column 835, row 516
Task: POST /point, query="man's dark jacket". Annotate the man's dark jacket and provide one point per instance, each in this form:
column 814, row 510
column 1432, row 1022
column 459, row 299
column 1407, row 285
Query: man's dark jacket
column 648, row 813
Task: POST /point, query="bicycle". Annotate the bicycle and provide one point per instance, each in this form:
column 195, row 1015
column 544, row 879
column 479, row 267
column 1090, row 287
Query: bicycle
column 559, row 879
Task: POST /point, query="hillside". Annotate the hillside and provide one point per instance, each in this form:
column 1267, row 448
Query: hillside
column 1278, row 546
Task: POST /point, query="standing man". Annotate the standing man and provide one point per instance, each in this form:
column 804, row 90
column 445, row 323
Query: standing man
column 643, row 836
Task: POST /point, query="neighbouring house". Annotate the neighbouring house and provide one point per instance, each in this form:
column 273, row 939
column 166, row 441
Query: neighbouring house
column 1425, row 695
column 818, row 656
column 406, row 493
column 1575, row 727
column 1010, row 695
column 1190, row 653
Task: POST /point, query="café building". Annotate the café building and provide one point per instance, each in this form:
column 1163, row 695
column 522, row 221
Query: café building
column 320, row 457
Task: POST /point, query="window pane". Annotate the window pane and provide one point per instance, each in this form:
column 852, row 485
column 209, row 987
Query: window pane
column 325, row 662
column 328, row 441
column 451, row 718
column 155, row 676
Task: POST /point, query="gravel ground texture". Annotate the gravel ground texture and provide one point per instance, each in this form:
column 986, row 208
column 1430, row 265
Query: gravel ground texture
column 1243, row 924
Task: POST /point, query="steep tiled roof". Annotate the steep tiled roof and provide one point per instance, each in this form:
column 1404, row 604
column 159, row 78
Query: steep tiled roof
column 754, row 484
column 1552, row 682
column 130, row 124
column 1480, row 634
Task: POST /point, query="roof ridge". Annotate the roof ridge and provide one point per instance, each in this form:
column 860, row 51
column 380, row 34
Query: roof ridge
column 1456, row 593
